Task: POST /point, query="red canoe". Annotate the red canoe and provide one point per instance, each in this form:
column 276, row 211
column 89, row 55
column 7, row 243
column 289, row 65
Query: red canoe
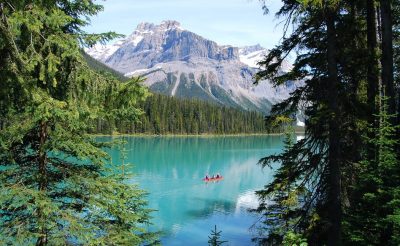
column 213, row 179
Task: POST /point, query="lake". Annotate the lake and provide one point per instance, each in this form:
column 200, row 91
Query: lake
column 171, row 170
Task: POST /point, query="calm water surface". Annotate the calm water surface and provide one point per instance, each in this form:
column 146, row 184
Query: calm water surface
column 172, row 168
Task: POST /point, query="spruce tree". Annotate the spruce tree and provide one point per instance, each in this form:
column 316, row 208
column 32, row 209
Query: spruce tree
column 374, row 215
column 280, row 200
column 331, row 42
column 342, row 166
column 56, row 187
column 214, row 238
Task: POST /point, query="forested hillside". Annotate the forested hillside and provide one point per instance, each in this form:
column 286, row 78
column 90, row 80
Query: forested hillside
column 181, row 63
column 101, row 68
column 339, row 185
column 170, row 115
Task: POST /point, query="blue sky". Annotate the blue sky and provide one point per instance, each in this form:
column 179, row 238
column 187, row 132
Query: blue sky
column 234, row 22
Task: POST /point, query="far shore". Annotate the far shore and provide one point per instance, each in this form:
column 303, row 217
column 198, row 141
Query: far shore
column 193, row 135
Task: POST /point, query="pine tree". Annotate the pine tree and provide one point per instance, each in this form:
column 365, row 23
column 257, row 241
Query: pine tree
column 340, row 88
column 317, row 158
column 55, row 184
column 280, row 200
column 214, row 238
column 374, row 215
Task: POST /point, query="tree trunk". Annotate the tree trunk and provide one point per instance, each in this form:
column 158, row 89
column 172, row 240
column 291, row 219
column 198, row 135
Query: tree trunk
column 372, row 72
column 334, row 176
column 373, row 61
column 387, row 54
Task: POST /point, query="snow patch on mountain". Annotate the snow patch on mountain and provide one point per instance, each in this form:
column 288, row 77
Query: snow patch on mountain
column 136, row 72
column 181, row 63
column 102, row 51
column 136, row 39
column 173, row 92
column 251, row 55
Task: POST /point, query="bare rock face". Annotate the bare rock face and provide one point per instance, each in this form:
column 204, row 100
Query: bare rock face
column 181, row 63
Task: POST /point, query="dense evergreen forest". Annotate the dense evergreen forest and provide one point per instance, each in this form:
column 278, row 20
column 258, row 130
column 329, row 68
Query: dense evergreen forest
column 168, row 115
column 341, row 184
column 103, row 69
column 54, row 185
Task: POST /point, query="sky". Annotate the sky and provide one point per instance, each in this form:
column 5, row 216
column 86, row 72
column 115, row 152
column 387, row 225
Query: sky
column 227, row 22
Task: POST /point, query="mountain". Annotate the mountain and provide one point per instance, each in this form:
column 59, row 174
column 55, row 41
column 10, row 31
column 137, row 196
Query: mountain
column 181, row 63
column 102, row 68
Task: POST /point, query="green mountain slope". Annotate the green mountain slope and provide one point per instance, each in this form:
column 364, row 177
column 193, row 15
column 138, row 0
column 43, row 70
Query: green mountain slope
column 172, row 115
column 101, row 68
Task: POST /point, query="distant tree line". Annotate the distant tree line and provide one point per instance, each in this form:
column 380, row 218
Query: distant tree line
column 164, row 114
column 169, row 115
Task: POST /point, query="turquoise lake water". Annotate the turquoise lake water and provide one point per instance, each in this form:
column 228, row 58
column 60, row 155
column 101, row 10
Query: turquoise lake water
column 171, row 170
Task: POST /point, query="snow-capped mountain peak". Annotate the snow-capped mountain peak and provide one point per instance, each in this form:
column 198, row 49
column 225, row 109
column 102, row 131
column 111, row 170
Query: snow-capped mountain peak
column 251, row 55
column 181, row 63
column 245, row 50
column 102, row 52
column 170, row 24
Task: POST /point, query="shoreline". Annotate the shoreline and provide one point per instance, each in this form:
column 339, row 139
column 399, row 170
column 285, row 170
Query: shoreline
column 193, row 135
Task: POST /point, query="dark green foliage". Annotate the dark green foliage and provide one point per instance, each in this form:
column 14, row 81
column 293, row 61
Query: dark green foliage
column 308, row 170
column 215, row 237
column 396, row 57
column 281, row 201
column 170, row 115
column 294, row 239
column 396, row 40
column 374, row 215
column 103, row 69
column 55, row 187
column 340, row 167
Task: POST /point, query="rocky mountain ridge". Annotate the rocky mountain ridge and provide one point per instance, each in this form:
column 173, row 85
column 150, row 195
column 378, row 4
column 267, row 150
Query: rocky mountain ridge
column 181, row 63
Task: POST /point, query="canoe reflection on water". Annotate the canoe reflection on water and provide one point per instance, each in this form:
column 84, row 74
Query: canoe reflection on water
column 213, row 179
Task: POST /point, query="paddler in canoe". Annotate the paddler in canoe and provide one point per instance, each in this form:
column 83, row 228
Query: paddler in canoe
column 213, row 178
